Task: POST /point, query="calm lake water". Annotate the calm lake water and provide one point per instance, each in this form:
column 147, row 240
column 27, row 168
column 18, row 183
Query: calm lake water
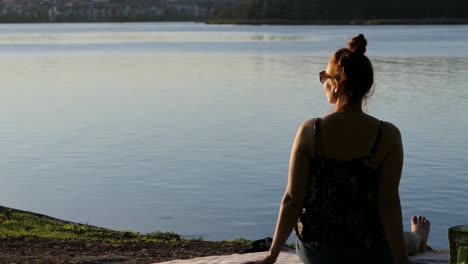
column 188, row 127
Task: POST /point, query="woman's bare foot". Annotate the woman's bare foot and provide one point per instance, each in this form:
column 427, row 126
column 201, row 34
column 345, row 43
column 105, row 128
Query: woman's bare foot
column 421, row 227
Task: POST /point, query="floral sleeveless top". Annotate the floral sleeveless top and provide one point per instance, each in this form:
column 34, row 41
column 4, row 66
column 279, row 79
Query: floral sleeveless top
column 340, row 209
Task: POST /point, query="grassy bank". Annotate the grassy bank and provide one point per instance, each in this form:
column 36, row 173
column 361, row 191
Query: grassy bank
column 16, row 223
column 21, row 224
column 27, row 237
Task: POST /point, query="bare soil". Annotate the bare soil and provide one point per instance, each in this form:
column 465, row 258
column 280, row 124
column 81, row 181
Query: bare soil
column 20, row 250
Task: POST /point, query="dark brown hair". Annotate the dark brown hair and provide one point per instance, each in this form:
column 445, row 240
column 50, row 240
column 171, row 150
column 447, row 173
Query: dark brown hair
column 353, row 72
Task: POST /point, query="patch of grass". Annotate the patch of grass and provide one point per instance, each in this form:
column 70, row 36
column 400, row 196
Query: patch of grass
column 165, row 236
column 290, row 245
column 237, row 241
column 21, row 224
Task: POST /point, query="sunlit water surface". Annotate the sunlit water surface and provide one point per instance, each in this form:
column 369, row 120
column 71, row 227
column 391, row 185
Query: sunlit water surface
column 188, row 127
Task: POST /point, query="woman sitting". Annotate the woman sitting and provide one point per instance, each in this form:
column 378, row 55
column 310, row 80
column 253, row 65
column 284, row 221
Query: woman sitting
column 342, row 195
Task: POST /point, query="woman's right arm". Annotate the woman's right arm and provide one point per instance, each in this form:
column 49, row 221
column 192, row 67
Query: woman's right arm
column 389, row 196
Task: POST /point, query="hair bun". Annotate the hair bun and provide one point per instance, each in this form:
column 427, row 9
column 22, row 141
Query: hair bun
column 358, row 44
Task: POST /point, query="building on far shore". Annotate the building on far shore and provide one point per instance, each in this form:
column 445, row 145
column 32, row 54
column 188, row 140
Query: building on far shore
column 103, row 10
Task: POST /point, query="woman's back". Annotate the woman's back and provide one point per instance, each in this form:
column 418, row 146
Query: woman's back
column 346, row 135
column 341, row 204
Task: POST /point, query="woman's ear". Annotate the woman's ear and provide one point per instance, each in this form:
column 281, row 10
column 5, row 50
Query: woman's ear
column 337, row 86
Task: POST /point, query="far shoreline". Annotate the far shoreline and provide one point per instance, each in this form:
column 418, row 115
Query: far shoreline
column 279, row 22
column 341, row 22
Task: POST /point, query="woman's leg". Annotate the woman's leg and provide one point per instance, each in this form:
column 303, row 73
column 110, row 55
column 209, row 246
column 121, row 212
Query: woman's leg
column 380, row 254
column 307, row 254
column 416, row 240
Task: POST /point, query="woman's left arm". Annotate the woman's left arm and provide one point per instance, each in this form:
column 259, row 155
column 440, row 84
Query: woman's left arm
column 294, row 195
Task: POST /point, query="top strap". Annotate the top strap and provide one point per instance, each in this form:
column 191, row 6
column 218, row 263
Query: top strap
column 376, row 145
column 319, row 151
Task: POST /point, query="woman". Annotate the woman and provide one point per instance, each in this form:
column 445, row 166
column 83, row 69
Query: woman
column 342, row 194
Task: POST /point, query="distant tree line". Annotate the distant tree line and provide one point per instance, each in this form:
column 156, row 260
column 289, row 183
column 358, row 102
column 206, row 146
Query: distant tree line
column 345, row 9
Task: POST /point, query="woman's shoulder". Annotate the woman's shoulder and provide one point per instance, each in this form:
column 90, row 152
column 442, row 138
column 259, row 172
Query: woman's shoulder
column 309, row 124
column 388, row 128
column 391, row 130
column 308, row 128
column 309, row 133
column 391, row 138
column 305, row 136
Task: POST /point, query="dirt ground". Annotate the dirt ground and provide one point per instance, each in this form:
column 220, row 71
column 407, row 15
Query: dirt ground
column 76, row 252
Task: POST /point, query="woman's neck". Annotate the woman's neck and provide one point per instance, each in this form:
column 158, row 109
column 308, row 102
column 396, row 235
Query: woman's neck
column 353, row 108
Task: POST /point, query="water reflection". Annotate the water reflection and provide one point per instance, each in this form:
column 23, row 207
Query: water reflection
column 194, row 136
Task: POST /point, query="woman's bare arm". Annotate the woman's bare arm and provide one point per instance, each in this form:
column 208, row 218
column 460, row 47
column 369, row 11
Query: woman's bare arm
column 293, row 199
column 389, row 197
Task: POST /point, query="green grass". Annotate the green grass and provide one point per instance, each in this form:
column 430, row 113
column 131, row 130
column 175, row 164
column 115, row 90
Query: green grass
column 242, row 241
column 20, row 224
